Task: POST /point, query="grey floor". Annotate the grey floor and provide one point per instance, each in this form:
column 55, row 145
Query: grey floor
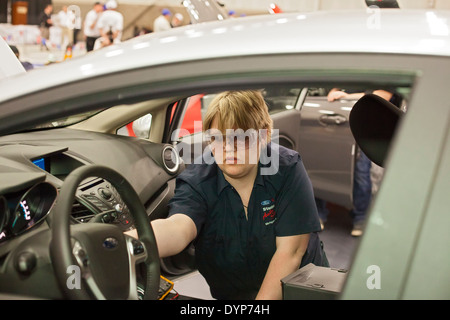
column 338, row 243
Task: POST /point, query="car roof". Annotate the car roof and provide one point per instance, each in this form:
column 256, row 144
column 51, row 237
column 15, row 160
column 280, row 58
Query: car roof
column 417, row 32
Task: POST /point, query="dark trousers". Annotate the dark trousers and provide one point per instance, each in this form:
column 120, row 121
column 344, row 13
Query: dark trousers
column 315, row 252
column 90, row 43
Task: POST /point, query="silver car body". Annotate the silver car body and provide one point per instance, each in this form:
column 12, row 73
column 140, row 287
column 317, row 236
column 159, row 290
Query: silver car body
column 407, row 231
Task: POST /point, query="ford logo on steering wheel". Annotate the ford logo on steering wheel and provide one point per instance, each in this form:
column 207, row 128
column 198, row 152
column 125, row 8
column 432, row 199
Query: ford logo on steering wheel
column 110, row 243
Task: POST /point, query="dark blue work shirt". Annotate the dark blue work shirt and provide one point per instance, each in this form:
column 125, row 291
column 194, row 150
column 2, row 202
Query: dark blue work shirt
column 233, row 252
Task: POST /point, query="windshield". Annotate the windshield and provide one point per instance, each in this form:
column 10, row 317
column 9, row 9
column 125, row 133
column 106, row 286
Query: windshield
column 67, row 121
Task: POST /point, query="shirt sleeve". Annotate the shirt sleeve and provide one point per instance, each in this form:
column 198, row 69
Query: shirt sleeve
column 100, row 22
column 297, row 211
column 119, row 25
column 187, row 200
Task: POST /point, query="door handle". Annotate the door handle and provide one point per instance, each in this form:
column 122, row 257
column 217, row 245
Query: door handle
column 332, row 119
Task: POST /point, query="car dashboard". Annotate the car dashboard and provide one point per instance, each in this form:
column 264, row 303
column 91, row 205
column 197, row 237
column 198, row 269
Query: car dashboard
column 34, row 165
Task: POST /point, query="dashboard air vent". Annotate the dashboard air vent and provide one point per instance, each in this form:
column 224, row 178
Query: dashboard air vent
column 80, row 213
column 170, row 159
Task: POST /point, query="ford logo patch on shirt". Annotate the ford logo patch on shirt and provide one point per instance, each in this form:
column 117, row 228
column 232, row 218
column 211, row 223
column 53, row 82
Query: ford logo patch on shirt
column 269, row 214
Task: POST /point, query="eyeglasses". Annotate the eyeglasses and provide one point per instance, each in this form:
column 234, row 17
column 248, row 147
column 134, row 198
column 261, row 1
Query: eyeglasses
column 240, row 140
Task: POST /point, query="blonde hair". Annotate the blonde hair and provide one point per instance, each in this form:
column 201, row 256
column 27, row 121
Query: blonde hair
column 239, row 110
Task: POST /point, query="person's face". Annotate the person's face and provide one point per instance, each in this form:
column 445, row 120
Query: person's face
column 176, row 22
column 98, row 8
column 236, row 153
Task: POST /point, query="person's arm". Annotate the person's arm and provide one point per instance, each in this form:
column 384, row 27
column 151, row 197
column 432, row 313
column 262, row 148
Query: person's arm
column 172, row 235
column 386, row 95
column 337, row 94
column 115, row 34
column 102, row 33
column 286, row 260
column 95, row 20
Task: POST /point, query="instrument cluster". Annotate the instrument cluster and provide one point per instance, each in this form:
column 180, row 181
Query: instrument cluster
column 21, row 211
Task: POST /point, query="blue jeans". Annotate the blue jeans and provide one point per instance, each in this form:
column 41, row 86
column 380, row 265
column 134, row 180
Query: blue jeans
column 322, row 209
column 362, row 188
column 362, row 191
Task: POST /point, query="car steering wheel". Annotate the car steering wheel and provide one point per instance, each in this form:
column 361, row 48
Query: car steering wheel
column 95, row 260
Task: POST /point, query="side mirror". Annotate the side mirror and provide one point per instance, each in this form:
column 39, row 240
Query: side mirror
column 373, row 122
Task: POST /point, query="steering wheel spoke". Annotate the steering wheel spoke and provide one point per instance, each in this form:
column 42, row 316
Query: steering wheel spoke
column 136, row 254
column 82, row 259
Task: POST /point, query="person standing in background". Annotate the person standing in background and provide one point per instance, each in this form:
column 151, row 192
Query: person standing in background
column 362, row 183
column 45, row 22
column 91, row 31
column 162, row 22
column 76, row 27
column 177, row 20
column 66, row 22
column 27, row 65
column 110, row 25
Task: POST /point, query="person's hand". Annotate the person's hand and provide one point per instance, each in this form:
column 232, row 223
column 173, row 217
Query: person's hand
column 336, row 95
column 105, row 42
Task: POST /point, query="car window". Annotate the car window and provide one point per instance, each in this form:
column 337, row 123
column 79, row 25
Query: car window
column 138, row 128
column 278, row 99
column 67, row 121
column 281, row 99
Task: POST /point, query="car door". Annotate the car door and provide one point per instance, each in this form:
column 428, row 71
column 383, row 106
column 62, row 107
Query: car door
column 327, row 146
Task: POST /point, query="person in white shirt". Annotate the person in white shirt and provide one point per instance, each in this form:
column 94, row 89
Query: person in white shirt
column 162, row 22
column 76, row 26
column 66, row 23
column 177, row 20
column 110, row 25
column 91, row 31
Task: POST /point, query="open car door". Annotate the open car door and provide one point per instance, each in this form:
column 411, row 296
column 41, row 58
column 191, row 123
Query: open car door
column 328, row 147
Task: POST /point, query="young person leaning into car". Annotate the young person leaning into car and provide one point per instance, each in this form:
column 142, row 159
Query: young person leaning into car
column 249, row 229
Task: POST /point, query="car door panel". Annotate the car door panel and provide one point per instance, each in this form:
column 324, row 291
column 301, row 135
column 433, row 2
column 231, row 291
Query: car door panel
column 328, row 148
